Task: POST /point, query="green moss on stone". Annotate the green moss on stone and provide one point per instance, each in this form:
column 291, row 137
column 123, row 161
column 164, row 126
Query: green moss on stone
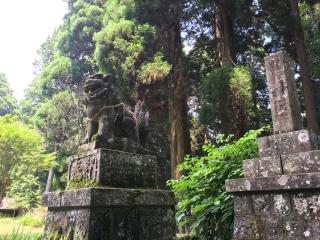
column 81, row 183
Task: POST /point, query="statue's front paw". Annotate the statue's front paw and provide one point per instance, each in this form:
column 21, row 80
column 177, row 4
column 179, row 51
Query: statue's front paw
column 84, row 140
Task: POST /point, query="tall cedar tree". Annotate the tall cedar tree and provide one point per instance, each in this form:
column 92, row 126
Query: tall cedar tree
column 307, row 85
column 178, row 109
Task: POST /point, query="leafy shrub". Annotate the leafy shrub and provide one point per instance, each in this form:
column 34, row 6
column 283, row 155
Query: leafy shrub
column 204, row 205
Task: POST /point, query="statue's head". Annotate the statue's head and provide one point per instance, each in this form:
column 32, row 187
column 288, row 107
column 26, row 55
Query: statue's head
column 96, row 84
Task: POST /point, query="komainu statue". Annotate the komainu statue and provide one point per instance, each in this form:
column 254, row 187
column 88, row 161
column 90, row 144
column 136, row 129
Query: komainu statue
column 112, row 124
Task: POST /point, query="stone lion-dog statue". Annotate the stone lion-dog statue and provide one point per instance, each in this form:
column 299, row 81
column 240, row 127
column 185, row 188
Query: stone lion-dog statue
column 110, row 122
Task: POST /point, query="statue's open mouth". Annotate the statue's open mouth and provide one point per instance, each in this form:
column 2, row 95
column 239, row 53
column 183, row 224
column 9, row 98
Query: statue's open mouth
column 92, row 86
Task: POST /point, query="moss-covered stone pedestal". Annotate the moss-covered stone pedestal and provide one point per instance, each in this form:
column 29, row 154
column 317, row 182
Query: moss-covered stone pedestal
column 279, row 198
column 126, row 203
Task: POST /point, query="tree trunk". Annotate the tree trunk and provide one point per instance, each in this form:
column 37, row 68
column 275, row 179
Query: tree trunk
column 49, row 180
column 307, row 85
column 225, row 52
column 178, row 110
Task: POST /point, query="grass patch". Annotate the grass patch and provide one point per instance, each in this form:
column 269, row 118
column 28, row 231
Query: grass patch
column 28, row 226
column 29, row 219
column 19, row 234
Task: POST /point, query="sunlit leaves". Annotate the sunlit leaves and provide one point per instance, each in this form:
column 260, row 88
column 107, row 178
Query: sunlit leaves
column 204, row 204
column 19, row 144
column 7, row 102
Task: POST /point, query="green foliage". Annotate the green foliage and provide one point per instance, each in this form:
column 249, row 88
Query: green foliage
column 75, row 36
column 59, row 118
column 125, row 48
column 204, row 205
column 154, row 71
column 7, row 101
column 228, row 100
column 32, row 220
column 20, row 145
column 25, row 187
column 57, row 71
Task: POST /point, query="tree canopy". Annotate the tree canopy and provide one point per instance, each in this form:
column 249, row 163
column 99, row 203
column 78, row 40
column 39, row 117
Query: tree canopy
column 20, row 146
column 7, row 102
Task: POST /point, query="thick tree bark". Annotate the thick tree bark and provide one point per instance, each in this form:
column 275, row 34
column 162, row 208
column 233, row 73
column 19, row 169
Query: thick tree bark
column 225, row 52
column 307, row 85
column 178, row 110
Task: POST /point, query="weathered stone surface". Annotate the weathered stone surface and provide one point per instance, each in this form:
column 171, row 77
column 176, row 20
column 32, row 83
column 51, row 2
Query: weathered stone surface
column 110, row 122
column 261, row 203
column 293, row 228
column 114, row 168
column 280, row 203
column 94, row 197
column 288, row 143
column 241, row 230
column 287, row 206
column 72, row 223
column 282, row 182
column 285, row 107
column 112, row 214
column 51, row 199
column 132, row 197
column 306, row 204
column 243, row 204
column 304, row 162
column 78, row 197
column 271, row 228
column 263, row 167
column 285, row 215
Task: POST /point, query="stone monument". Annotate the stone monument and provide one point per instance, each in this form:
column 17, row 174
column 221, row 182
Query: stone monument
column 117, row 195
column 279, row 198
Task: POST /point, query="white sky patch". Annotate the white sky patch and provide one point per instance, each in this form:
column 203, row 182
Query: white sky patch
column 187, row 48
column 24, row 26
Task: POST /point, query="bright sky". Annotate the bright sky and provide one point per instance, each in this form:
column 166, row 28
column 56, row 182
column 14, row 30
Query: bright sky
column 24, row 26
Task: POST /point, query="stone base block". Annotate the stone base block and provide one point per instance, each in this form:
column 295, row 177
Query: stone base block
column 114, row 169
column 304, row 162
column 263, row 167
column 288, row 143
column 289, row 164
column 111, row 214
column 277, row 215
column 276, row 183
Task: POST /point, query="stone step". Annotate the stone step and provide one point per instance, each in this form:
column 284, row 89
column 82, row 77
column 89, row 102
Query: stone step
column 288, row 143
column 288, row 164
column 298, row 163
column 274, row 183
column 262, row 167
